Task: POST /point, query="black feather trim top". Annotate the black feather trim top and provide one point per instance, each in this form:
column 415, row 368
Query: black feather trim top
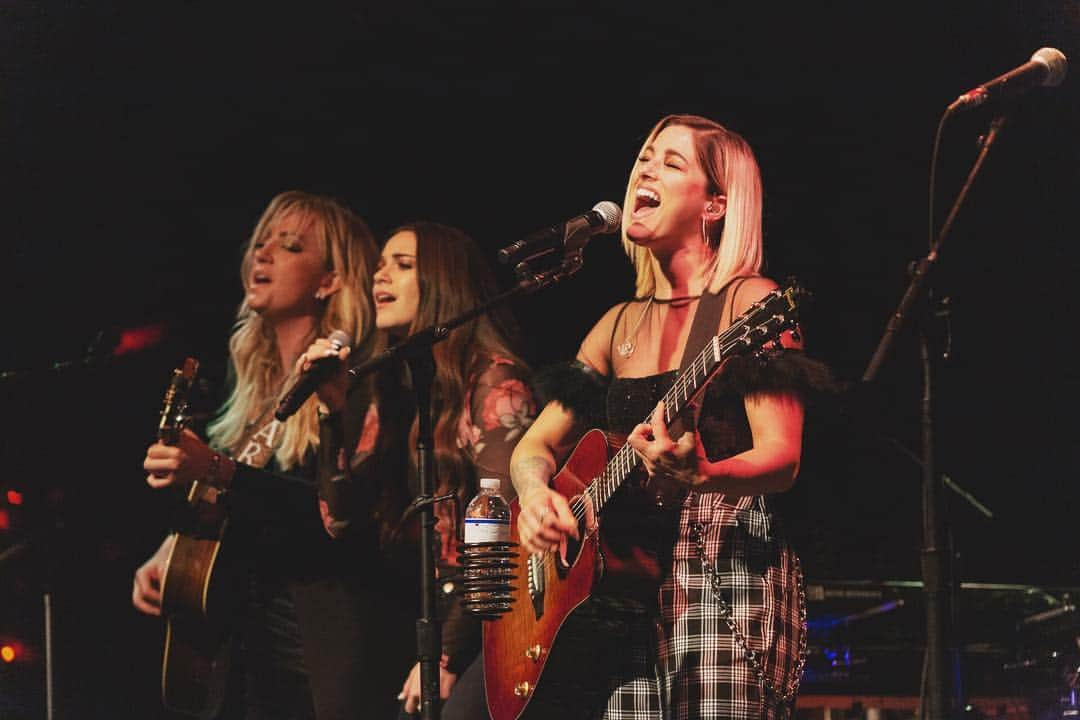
column 575, row 386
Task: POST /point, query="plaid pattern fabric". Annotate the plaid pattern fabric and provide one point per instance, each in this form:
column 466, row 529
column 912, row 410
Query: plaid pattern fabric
column 699, row 670
column 602, row 666
column 703, row 671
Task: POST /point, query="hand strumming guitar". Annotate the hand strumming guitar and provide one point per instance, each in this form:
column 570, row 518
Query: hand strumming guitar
column 146, row 594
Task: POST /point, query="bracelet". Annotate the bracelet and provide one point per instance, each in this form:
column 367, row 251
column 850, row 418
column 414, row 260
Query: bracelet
column 213, row 474
column 215, row 468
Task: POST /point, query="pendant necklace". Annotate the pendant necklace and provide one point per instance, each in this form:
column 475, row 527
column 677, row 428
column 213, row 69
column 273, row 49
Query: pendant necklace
column 626, row 347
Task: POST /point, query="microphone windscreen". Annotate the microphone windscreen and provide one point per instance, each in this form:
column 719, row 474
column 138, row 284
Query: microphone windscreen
column 611, row 213
column 1055, row 62
column 340, row 339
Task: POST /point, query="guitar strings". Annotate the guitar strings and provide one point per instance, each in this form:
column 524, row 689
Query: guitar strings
column 625, row 459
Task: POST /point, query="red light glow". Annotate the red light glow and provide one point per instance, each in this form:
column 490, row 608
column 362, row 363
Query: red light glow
column 140, row 338
column 14, row 497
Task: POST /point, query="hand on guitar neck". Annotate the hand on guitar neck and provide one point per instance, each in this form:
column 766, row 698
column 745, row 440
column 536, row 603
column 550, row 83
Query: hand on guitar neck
column 667, row 461
column 187, row 462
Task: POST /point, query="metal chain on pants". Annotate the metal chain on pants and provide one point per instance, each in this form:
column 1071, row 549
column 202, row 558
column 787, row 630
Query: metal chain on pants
column 697, row 533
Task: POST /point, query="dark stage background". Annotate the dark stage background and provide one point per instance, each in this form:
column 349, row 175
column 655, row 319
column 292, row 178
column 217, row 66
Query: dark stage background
column 144, row 139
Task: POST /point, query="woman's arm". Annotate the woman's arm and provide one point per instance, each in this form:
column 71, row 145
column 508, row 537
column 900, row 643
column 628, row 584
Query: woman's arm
column 545, row 517
column 776, row 427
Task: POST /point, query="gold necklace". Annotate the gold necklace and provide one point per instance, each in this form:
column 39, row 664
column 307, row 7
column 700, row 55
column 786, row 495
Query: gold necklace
column 626, row 347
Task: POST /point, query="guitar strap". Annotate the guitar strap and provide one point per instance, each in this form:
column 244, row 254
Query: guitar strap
column 706, row 323
column 258, row 447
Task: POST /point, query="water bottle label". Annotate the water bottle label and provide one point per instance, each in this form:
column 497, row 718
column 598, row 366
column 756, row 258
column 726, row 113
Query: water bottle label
column 481, row 530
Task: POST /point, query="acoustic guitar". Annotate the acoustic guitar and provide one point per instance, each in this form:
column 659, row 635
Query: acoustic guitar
column 194, row 602
column 550, row 585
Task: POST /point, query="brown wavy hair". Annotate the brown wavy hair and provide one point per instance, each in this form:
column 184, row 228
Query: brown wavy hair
column 453, row 278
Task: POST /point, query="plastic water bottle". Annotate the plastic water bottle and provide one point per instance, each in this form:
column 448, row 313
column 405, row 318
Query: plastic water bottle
column 486, row 565
column 487, row 516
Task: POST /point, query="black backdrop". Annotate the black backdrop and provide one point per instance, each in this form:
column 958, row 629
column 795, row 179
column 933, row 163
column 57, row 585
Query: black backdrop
column 144, row 140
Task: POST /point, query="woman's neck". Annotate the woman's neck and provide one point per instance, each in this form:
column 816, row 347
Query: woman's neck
column 683, row 272
column 292, row 335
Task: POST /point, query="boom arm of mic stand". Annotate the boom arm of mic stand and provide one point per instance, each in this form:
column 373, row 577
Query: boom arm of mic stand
column 422, row 340
column 923, row 266
column 94, row 357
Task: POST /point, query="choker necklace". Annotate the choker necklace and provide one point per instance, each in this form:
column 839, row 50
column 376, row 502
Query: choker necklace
column 681, row 298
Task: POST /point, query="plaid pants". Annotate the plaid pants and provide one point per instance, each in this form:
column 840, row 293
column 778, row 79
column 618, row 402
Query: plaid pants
column 630, row 666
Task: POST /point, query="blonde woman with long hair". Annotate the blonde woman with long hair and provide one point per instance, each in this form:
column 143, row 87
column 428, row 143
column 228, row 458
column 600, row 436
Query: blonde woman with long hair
column 306, row 271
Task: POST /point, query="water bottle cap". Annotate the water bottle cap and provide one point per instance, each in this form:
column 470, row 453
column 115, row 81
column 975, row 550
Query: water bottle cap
column 490, row 483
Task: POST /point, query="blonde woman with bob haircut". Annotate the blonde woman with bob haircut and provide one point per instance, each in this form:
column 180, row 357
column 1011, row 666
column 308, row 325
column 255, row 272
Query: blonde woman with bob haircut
column 692, row 227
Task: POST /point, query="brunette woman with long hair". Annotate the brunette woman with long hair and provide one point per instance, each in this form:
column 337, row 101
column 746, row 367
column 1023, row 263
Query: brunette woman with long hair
column 481, row 403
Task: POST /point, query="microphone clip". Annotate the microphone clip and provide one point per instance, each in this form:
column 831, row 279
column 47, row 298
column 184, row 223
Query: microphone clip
column 566, row 263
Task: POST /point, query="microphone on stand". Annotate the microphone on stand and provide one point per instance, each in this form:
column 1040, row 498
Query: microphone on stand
column 319, row 372
column 605, row 217
column 1046, row 67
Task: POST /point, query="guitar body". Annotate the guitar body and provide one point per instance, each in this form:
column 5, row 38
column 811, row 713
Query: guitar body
column 517, row 645
column 195, row 666
column 192, row 581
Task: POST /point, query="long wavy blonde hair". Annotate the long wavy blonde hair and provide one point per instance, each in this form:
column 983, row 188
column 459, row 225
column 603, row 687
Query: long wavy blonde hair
column 732, row 171
column 255, row 374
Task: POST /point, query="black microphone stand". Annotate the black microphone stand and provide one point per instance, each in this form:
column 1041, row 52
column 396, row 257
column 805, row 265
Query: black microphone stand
column 41, row 540
column 416, row 352
column 933, row 555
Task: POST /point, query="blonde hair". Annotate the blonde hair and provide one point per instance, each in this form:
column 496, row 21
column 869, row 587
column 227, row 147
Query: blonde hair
column 732, row 171
column 255, row 372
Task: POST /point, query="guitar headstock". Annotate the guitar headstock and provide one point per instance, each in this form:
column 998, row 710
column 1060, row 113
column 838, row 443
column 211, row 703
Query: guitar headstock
column 757, row 331
column 174, row 407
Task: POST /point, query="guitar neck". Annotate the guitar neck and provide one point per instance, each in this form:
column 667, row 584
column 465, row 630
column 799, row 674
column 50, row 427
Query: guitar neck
column 745, row 335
